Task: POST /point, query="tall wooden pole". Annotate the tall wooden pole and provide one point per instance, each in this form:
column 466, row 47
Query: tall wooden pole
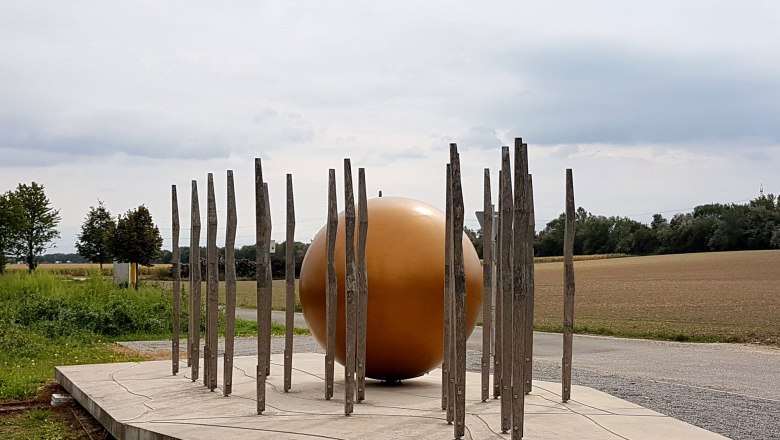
column 263, row 315
column 362, row 285
column 289, row 276
column 351, row 290
column 497, row 318
column 176, row 268
column 529, row 316
column 331, row 298
column 505, row 219
column 459, row 279
column 230, row 286
column 195, row 291
column 213, row 286
column 487, row 289
column 519, row 289
column 568, row 283
column 448, row 373
column 268, row 294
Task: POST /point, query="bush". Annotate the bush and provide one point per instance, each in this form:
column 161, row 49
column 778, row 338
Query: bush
column 54, row 307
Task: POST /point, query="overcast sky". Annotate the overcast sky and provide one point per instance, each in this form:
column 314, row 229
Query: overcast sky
column 657, row 106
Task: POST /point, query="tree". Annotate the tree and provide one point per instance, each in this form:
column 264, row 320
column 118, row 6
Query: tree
column 475, row 236
column 94, row 242
column 10, row 217
column 136, row 240
column 37, row 223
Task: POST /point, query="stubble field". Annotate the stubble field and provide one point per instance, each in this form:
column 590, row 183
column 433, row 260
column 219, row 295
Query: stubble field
column 726, row 296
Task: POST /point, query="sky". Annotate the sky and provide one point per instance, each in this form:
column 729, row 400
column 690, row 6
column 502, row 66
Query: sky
column 656, row 106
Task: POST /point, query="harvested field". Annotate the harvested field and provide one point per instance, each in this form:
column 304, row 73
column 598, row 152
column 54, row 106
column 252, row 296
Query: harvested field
column 725, row 296
column 83, row 269
column 246, row 293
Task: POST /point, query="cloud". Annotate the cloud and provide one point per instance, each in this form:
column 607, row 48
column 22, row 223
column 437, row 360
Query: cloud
column 46, row 138
column 589, row 93
column 478, row 137
column 389, row 156
column 564, row 151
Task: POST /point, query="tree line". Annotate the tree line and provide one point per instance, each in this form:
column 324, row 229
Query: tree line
column 710, row 227
column 246, row 265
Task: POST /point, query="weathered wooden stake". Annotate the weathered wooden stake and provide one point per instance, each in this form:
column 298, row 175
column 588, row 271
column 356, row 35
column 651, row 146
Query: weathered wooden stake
column 230, row 286
column 331, row 299
column 350, row 317
column 507, row 306
column 268, row 280
column 213, row 285
column 568, row 283
column 459, row 280
column 263, row 315
column 497, row 316
column 448, row 373
column 207, row 296
column 195, row 291
column 289, row 276
column 176, row 268
column 487, row 289
column 529, row 316
column 519, row 288
column 362, row 286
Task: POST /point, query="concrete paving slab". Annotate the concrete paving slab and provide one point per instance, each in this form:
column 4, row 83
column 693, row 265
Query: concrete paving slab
column 143, row 401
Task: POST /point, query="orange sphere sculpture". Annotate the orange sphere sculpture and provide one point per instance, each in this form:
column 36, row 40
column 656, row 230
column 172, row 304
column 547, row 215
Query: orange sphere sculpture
column 405, row 263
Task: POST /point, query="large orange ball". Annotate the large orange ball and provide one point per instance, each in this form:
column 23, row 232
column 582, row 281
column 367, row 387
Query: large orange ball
column 405, row 263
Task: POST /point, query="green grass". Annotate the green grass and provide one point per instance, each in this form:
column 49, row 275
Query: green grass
column 38, row 423
column 558, row 259
column 245, row 327
column 658, row 335
column 46, row 321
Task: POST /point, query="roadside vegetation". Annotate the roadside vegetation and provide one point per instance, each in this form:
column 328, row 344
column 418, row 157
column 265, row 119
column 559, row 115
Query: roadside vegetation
column 48, row 320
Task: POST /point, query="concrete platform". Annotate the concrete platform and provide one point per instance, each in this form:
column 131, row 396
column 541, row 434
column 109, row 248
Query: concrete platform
column 143, row 401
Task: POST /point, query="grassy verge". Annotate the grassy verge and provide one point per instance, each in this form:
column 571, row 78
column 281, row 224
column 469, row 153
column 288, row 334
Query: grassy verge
column 37, row 423
column 658, row 335
column 558, row 259
column 46, row 321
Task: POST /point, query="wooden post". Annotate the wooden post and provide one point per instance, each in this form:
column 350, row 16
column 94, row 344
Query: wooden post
column 268, row 295
column 487, row 286
column 176, row 268
column 213, row 286
column 350, row 317
column 448, row 375
column 362, row 285
column 497, row 318
column 459, row 281
column 261, row 231
column 568, row 283
column 195, row 291
column 331, row 298
column 506, row 289
column 289, row 276
column 207, row 296
column 519, row 289
column 230, row 286
column 529, row 316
